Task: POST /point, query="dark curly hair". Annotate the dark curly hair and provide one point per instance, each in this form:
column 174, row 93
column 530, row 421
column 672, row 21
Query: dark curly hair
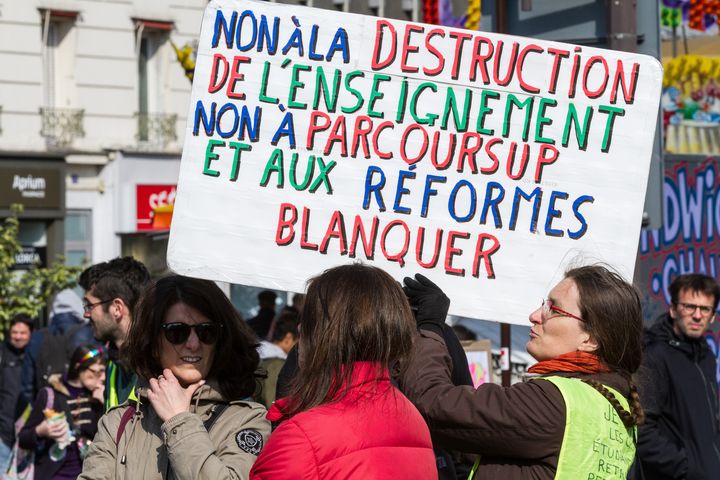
column 236, row 358
column 122, row 277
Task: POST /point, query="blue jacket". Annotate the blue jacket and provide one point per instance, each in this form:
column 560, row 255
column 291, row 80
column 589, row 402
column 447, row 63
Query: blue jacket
column 66, row 313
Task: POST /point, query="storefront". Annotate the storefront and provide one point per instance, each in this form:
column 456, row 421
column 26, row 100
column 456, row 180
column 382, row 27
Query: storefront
column 38, row 185
column 145, row 200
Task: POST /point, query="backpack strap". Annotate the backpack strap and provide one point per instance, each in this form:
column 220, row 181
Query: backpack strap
column 214, row 415
column 50, row 398
column 126, row 416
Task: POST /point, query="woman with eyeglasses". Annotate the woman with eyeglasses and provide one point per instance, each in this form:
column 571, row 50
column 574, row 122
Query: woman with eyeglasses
column 343, row 418
column 193, row 417
column 575, row 418
column 64, row 416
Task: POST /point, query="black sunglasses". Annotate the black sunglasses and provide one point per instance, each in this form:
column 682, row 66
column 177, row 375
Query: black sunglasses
column 177, row 333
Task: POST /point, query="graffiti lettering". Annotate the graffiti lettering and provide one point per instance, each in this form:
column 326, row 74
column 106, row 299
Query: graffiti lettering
column 685, row 243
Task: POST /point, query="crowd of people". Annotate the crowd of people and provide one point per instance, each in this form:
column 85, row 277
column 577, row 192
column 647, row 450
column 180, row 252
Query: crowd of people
column 360, row 378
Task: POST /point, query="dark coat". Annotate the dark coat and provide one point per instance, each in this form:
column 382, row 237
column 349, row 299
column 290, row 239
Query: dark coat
column 10, row 404
column 84, row 423
column 32, row 371
column 517, row 431
column 678, row 389
column 260, row 323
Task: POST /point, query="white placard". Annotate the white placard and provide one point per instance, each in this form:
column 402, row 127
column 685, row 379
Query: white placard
column 486, row 162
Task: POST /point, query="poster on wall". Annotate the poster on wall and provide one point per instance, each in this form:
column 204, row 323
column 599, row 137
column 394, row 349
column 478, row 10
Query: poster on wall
column 479, row 357
column 487, row 162
column 687, row 242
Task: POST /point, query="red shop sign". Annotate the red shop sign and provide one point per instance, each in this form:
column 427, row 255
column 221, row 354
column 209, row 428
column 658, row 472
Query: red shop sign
column 152, row 201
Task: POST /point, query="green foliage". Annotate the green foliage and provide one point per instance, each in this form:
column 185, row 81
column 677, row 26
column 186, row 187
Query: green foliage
column 29, row 291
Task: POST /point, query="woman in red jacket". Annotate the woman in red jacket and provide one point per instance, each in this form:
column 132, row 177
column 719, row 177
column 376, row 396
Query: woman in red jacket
column 343, row 418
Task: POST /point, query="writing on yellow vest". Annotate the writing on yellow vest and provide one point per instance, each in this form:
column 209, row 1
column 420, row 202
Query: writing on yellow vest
column 596, row 444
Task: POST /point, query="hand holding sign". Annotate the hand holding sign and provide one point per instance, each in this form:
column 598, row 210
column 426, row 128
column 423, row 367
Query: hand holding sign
column 430, row 301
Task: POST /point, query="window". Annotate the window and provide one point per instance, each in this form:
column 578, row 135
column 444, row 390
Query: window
column 78, row 237
column 61, row 123
column 58, row 40
column 155, row 127
column 149, row 73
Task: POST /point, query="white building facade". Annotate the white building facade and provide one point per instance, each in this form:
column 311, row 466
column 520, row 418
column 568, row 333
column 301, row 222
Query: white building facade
column 93, row 103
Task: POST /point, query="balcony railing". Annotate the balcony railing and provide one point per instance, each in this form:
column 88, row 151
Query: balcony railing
column 61, row 126
column 155, row 130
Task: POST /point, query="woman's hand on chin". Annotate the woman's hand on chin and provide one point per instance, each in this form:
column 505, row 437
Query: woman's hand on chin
column 168, row 397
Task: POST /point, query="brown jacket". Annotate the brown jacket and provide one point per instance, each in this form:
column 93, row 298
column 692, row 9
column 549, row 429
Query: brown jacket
column 518, row 431
column 180, row 448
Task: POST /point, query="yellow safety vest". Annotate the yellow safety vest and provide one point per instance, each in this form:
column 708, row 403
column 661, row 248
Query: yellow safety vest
column 596, row 444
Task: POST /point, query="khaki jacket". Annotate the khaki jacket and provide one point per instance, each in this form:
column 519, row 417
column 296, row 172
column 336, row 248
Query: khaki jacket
column 181, row 448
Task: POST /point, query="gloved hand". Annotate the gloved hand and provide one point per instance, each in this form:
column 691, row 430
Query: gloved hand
column 429, row 302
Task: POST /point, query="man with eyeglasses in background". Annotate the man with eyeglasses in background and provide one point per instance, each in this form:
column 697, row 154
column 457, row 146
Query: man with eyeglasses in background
column 678, row 387
column 112, row 290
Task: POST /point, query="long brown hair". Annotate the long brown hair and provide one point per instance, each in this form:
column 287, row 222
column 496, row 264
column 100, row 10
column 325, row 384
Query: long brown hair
column 612, row 313
column 236, row 358
column 352, row 313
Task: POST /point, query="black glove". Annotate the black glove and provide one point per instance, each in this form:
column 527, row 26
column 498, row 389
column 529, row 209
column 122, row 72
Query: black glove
column 428, row 301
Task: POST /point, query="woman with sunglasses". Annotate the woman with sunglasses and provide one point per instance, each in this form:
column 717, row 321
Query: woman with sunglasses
column 575, row 418
column 64, row 416
column 193, row 417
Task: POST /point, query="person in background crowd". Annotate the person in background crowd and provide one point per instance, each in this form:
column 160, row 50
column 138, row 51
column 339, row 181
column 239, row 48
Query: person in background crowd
column 12, row 351
column 297, row 304
column 192, row 420
column 576, row 419
column 60, row 435
column 681, row 435
column 50, row 348
column 112, row 290
column 343, row 417
column 463, row 333
column 260, row 323
column 283, row 336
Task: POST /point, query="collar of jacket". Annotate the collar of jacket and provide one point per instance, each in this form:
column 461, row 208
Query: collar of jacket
column 610, row 379
column 662, row 331
column 209, row 392
column 364, row 373
column 11, row 348
column 56, row 382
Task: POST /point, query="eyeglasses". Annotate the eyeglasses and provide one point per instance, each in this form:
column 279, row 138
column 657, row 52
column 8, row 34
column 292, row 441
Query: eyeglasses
column 89, row 306
column 98, row 373
column 548, row 308
column 177, row 332
column 689, row 309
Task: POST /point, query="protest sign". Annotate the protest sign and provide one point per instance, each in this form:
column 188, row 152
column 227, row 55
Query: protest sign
column 486, row 162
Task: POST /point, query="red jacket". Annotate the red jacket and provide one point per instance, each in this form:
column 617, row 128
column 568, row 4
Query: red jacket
column 374, row 432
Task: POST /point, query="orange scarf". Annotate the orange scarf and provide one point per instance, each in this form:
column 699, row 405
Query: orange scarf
column 577, row 362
